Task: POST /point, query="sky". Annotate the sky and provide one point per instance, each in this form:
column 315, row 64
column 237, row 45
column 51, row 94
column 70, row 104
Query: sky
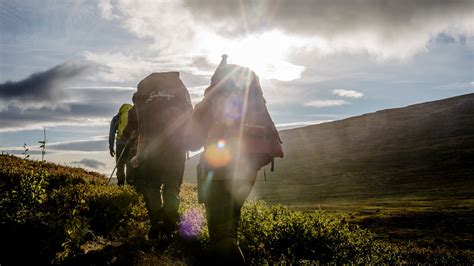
column 67, row 66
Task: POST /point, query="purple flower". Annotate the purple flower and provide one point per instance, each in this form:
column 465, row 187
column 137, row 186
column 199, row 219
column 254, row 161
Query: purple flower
column 191, row 223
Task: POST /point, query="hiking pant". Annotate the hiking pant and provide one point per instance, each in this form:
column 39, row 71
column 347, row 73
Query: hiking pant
column 124, row 170
column 224, row 199
column 159, row 180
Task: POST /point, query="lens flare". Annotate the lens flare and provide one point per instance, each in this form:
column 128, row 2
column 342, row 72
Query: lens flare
column 218, row 154
column 233, row 107
column 221, row 144
column 191, row 223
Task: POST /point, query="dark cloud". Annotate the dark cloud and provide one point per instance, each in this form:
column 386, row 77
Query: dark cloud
column 327, row 17
column 46, row 86
column 91, row 163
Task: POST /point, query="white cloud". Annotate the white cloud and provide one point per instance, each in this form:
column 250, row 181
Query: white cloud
column 290, row 125
column 73, row 122
column 105, row 8
column 177, row 38
column 348, row 93
column 118, row 67
column 325, row 103
column 197, row 93
column 125, row 88
column 167, row 23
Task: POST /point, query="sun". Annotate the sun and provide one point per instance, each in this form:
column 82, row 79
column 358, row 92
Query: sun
column 265, row 53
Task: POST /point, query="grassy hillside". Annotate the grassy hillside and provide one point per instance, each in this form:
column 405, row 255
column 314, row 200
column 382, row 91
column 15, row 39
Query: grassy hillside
column 406, row 174
column 420, row 150
column 423, row 150
column 63, row 215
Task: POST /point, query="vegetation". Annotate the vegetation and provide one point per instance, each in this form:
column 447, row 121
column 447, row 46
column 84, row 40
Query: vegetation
column 55, row 214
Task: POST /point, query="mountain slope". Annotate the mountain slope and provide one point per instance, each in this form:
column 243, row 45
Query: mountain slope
column 421, row 150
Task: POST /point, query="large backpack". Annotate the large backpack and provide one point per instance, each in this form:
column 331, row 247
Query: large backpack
column 239, row 120
column 163, row 108
column 122, row 120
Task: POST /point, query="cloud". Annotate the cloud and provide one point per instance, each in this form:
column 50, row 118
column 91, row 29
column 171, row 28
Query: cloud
column 326, row 103
column 166, row 23
column 119, row 67
column 96, row 144
column 177, row 41
column 348, row 93
column 106, row 9
column 79, row 108
column 190, row 35
column 40, row 87
column 127, row 88
column 385, row 29
column 197, row 93
column 91, row 163
column 290, row 125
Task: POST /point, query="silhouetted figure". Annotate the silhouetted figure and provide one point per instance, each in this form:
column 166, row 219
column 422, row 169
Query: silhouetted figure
column 163, row 108
column 117, row 126
column 239, row 137
column 131, row 134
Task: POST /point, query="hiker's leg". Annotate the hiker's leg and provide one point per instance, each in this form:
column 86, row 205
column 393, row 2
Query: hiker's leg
column 155, row 212
column 154, row 183
column 130, row 174
column 223, row 207
column 171, row 186
column 152, row 197
column 221, row 223
column 241, row 190
column 148, row 183
column 120, row 164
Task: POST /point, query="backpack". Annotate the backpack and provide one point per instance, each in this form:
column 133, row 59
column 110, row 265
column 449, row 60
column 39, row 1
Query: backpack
column 122, row 120
column 163, row 107
column 239, row 120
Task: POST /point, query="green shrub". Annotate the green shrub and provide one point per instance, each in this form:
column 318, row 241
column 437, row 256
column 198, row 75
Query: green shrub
column 276, row 234
column 59, row 214
column 53, row 215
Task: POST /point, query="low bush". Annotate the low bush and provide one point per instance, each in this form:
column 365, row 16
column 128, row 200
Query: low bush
column 51, row 214
column 276, row 234
column 56, row 214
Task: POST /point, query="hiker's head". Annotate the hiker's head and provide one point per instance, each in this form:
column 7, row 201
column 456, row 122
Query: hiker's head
column 134, row 98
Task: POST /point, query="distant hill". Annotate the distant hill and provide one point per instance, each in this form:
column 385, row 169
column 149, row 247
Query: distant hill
column 425, row 149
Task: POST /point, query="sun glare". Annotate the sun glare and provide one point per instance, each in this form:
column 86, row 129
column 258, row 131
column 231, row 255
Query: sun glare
column 265, row 54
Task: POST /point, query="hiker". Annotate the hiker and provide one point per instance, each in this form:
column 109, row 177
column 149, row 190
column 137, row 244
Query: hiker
column 131, row 134
column 117, row 126
column 239, row 137
column 163, row 107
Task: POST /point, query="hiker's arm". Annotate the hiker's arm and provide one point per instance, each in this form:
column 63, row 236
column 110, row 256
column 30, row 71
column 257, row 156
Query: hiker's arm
column 113, row 129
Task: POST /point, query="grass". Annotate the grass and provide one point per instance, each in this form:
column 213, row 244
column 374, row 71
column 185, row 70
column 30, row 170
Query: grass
column 67, row 216
column 442, row 226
